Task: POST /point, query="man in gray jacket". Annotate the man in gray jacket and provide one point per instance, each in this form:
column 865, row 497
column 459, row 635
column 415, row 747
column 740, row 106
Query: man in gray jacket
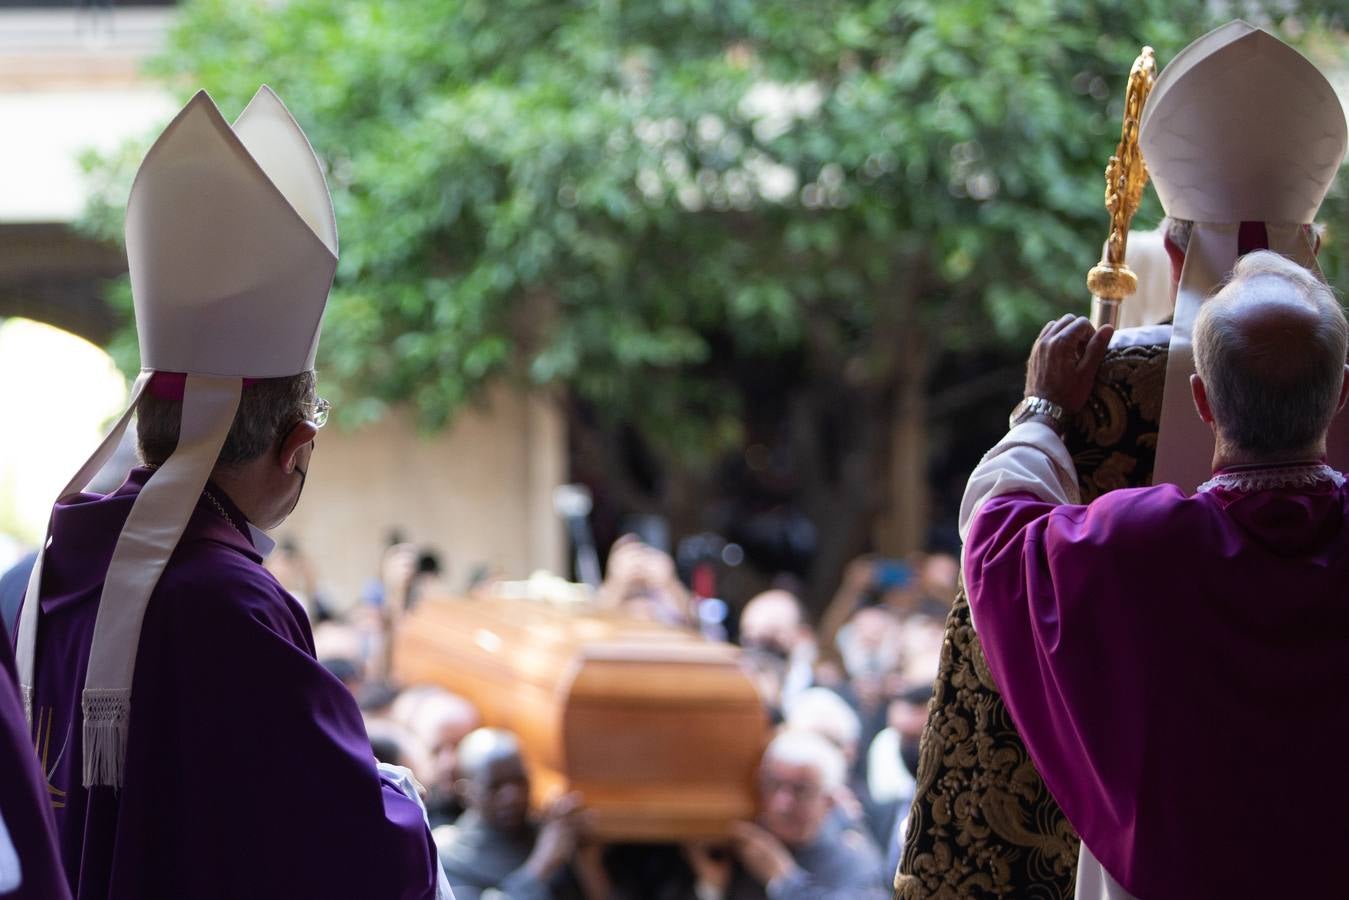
column 795, row 851
column 494, row 850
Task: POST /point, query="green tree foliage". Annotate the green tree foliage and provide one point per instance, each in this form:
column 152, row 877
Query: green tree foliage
column 643, row 201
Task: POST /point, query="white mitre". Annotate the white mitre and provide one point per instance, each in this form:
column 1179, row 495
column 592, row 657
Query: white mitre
column 232, row 247
column 1240, row 127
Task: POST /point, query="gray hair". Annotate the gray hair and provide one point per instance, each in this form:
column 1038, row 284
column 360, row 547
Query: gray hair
column 267, row 408
column 1178, row 231
column 1266, row 400
column 805, row 748
column 821, row 711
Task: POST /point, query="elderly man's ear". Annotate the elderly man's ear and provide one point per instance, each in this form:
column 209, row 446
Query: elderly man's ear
column 299, row 437
column 1200, row 395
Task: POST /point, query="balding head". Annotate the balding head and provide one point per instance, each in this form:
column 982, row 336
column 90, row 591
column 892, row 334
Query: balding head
column 440, row 720
column 774, row 621
column 437, row 713
column 1270, row 351
column 483, row 747
column 492, row 778
column 821, row 711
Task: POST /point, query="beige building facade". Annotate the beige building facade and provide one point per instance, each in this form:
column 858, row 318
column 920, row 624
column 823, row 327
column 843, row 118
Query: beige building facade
column 478, row 494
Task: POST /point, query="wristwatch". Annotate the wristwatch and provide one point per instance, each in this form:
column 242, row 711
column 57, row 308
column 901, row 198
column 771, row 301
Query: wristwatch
column 1038, row 406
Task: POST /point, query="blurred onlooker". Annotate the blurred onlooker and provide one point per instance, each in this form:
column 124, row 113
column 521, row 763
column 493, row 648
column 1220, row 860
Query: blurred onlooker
column 13, row 584
column 337, row 638
column 938, row 578
column 775, row 622
column 482, row 580
column 868, row 581
column 406, row 574
column 383, row 602
column 643, row 582
column 920, row 650
column 430, row 580
column 393, row 744
column 397, row 563
column 289, row 565
column 823, row 712
column 440, row 720
column 494, row 845
column 892, row 762
column 894, row 753
column 343, row 651
column 345, row 670
column 791, row 854
column 767, row 671
column 871, row 644
column 376, row 698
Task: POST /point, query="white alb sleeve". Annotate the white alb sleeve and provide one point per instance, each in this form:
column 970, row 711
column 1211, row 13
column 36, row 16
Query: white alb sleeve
column 1031, row 457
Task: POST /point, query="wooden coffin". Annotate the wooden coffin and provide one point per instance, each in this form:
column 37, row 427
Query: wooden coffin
column 659, row 729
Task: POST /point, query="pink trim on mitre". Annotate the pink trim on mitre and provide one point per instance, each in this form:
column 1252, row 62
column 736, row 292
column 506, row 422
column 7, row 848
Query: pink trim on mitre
column 170, row 385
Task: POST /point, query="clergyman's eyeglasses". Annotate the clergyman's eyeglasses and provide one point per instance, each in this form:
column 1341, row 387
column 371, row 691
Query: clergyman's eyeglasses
column 318, row 417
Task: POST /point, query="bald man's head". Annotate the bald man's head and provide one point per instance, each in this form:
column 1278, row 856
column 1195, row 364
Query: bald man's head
column 492, row 779
column 483, row 747
column 1270, row 349
column 773, row 621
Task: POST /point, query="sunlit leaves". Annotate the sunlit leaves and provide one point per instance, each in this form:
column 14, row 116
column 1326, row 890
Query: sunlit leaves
column 634, row 199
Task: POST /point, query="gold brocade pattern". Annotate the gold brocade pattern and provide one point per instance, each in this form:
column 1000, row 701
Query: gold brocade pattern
column 983, row 825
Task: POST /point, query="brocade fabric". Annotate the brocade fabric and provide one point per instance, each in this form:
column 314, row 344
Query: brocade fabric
column 983, row 825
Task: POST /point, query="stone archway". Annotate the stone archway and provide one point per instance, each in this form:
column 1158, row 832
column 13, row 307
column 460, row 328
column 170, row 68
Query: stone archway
column 52, row 274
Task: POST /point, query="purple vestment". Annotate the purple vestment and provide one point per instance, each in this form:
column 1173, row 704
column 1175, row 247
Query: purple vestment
column 1176, row 666
column 24, row 806
column 248, row 770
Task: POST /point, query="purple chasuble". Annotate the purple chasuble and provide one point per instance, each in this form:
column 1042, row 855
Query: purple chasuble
column 248, row 770
column 24, row 805
column 1176, row 666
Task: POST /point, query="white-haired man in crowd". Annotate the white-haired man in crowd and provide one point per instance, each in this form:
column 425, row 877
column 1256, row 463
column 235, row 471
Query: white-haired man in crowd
column 790, row 853
column 440, row 721
column 775, row 622
column 823, row 712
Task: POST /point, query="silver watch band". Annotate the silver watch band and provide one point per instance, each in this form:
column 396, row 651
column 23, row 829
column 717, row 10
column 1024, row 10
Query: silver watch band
column 1031, row 405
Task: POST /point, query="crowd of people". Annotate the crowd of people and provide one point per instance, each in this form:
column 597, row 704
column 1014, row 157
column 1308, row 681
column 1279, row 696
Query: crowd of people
column 846, row 699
